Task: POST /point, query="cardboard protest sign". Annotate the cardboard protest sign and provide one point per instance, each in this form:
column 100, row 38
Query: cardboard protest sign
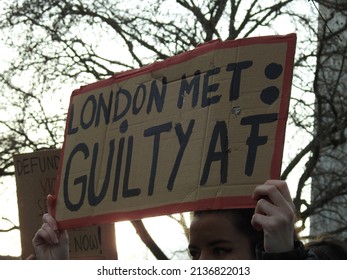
column 36, row 177
column 197, row 131
column 93, row 243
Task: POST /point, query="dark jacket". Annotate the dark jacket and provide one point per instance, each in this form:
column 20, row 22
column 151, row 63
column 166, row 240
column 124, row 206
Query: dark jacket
column 298, row 253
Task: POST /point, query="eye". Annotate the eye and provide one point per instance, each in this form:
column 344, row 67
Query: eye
column 220, row 251
column 195, row 254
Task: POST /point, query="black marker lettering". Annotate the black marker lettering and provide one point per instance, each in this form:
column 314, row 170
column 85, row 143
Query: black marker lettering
column 126, row 191
column 94, row 199
column 254, row 140
column 80, row 148
column 186, row 88
column 183, row 139
column 71, row 130
column 220, row 131
column 155, row 131
column 106, row 109
column 118, row 169
column 137, row 107
column 154, row 95
column 207, row 88
column 87, row 119
column 117, row 113
column 237, row 68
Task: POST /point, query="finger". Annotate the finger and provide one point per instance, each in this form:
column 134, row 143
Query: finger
column 53, row 234
column 50, row 204
column 256, row 223
column 48, row 219
column 270, row 192
column 261, row 213
column 282, row 187
column 264, row 207
column 45, row 236
column 268, row 215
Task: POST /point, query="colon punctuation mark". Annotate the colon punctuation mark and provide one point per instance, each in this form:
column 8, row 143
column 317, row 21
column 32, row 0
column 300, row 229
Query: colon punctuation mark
column 268, row 96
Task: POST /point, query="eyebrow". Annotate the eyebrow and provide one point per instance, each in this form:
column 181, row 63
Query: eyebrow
column 218, row 241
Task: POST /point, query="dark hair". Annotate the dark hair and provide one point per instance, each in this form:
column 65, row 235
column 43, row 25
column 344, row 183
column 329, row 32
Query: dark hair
column 241, row 219
column 328, row 248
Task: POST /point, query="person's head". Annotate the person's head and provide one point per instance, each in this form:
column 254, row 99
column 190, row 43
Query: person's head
column 223, row 234
column 328, row 248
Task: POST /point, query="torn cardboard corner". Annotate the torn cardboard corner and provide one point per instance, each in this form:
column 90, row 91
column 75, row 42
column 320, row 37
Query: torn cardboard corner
column 197, row 131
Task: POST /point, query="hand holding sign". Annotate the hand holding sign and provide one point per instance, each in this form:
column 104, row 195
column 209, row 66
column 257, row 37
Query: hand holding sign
column 275, row 215
column 50, row 243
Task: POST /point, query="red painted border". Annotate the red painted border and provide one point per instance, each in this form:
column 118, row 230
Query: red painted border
column 206, row 204
column 284, row 108
column 212, row 203
column 200, row 50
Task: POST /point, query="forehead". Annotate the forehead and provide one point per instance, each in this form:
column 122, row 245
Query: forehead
column 212, row 225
